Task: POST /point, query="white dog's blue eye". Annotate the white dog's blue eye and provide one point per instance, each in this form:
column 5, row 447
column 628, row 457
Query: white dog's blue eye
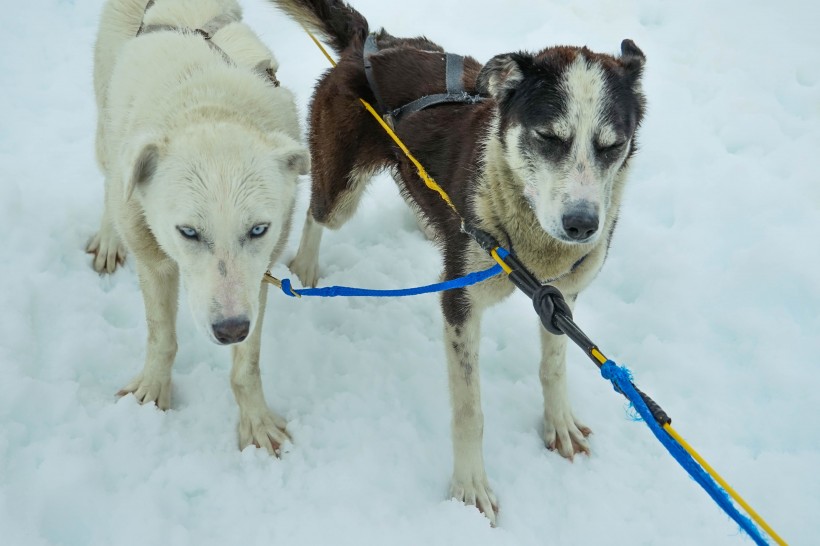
column 258, row 231
column 188, row 232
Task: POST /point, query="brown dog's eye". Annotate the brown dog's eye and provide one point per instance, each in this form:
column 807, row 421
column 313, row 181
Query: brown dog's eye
column 551, row 138
column 615, row 146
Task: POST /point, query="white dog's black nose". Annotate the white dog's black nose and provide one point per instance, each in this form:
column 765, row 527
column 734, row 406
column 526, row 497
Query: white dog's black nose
column 232, row 330
column 580, row 223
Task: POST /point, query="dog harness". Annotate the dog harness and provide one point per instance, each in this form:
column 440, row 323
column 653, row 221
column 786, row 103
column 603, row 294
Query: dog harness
column 454, row 70
column 208, row 31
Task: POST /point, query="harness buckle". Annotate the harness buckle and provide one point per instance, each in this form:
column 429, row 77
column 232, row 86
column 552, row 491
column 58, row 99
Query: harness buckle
column 389, row 120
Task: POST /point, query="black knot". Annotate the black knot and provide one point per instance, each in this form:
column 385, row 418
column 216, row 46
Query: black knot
column 548, row 301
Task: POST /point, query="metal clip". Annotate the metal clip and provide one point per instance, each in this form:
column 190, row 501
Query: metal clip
column 270, row 279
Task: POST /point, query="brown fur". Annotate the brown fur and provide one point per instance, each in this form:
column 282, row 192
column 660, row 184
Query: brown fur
column 463, row 147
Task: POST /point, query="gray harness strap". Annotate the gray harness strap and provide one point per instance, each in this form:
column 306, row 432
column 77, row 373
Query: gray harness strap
column 207, row 32
column 370, row 48
column 453, row 72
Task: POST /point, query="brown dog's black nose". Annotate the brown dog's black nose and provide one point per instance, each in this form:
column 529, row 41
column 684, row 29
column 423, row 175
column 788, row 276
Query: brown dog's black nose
column 232, row 330
column 580, row 223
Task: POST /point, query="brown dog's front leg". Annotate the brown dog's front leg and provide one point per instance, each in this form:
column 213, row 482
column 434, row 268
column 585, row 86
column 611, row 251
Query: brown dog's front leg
column 461, row 335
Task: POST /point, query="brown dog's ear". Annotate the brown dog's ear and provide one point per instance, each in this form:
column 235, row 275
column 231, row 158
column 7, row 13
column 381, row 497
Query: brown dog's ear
column 632, row 58
column 502, row 74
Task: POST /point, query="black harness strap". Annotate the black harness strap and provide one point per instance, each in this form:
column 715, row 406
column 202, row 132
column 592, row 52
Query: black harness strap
column 370, row 48
column 454, row 70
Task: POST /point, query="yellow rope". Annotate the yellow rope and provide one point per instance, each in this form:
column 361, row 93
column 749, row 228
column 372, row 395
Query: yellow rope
column 598, row 356
column 428, row 180
column 738, row 499
column 321, row 47
column 430, row 183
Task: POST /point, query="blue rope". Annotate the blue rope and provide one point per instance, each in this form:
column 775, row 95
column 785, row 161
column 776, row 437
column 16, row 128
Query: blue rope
column 621, row 379
column 334, row 291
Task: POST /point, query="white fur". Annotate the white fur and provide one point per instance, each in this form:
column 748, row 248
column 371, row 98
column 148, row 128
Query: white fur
column 187, row 139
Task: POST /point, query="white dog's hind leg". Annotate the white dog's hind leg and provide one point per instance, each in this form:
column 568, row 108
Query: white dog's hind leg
column 258, row 425
column 106, row 246
column 306, row 263
column 469, row 483
column 562, row 431
column 160, row 290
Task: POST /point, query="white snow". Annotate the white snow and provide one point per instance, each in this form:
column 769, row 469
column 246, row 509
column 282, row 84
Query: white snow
column 711, row 295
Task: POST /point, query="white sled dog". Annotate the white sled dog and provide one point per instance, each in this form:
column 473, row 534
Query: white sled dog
column 201, row 151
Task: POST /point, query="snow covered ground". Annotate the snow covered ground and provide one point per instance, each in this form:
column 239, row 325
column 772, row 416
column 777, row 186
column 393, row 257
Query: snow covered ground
column 711, row 296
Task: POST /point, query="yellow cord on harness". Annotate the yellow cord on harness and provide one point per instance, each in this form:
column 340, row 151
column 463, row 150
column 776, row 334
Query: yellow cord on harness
column 494, row 253
column 430, row 183
column 321, row 47
column 428, row 180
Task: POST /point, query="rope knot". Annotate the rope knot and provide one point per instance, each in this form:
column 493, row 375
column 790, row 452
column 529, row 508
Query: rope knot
column 548, row 301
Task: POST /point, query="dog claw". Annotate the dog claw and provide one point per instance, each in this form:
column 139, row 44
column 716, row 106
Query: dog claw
column 265, row 431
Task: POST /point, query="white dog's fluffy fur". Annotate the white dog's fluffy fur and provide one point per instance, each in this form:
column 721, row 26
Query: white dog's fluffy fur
column 201, row 157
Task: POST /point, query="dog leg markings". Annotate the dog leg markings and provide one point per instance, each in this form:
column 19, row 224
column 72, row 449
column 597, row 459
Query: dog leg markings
column 258, row 425
column 562, row 431
column 160, row 291
column 469, row 483
column 305, row 265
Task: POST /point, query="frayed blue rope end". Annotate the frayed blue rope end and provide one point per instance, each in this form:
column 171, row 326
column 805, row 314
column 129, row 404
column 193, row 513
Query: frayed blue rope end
column 621, row 379
column 616, row 374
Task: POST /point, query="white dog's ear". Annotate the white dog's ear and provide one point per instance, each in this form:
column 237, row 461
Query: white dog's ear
column 502, row 74
column 296, row 159
column 141, row 163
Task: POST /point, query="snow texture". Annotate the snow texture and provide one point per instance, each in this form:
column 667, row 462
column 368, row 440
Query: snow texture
column 710, row 295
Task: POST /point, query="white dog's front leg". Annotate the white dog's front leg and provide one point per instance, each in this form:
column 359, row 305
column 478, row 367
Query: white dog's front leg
column 469, row 482
column 160, row 290
column 258, row 425
column 106, row 246
column 562, row 432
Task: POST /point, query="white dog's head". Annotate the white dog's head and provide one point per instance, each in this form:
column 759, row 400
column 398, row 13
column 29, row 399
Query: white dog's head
column 567, row 120
column 218, row 198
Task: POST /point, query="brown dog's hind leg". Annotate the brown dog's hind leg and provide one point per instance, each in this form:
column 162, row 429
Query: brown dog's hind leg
column 347, row 149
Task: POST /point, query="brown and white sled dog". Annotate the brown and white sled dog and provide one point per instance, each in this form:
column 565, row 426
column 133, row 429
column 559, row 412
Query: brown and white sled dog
column 541, row 165
column 201, row 154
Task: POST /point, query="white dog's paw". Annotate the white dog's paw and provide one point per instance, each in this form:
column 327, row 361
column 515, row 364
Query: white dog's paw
column 263, row 430
column 472, row 489
column 148, row 389
column 107, row 249
column 564, row 433
column 306, row 269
